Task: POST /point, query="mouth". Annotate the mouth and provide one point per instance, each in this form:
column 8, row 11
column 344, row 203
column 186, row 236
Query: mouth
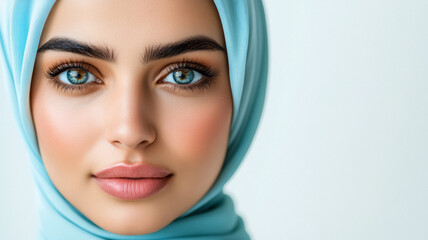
column 132, row 182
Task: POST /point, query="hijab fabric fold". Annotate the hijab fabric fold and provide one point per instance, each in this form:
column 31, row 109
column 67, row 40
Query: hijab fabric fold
column 214, row 216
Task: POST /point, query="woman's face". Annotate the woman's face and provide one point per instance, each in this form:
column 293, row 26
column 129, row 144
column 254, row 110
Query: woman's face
column 132, row 83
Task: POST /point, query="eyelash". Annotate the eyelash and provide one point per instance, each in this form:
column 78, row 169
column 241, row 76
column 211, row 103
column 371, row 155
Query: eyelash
column 208, row 75
column 62, row 66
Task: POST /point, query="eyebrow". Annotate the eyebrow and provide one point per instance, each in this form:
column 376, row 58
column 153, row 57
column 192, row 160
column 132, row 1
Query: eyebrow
column 73, row 46
column 152, row 53
column 196, row 43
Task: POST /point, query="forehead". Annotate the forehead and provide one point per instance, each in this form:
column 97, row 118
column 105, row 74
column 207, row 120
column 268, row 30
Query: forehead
column 129, row 26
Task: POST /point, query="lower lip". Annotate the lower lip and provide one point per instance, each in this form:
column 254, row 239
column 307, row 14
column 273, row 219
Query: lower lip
column 132, row 189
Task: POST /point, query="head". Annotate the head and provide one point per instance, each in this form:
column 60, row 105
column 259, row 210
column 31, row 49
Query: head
column 98, row 83
column 141, row 82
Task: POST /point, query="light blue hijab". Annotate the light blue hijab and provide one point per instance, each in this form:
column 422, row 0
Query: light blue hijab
column 213, row 217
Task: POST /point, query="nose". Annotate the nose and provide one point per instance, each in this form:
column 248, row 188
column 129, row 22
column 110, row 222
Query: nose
column 131, row 119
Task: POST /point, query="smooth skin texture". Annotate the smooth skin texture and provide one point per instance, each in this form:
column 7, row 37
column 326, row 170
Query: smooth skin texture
column 129, row 113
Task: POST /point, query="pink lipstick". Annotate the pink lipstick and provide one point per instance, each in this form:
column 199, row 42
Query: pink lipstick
column 131, row 182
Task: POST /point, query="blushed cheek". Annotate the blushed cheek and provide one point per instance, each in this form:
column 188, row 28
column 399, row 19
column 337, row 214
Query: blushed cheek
column 63, row 133
column 199, row 131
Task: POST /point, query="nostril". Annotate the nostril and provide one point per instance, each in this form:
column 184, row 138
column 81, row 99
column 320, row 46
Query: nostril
column 134, row 139
column 131, row 131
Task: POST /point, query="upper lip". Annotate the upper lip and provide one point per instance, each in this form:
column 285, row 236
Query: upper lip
column 122, row 170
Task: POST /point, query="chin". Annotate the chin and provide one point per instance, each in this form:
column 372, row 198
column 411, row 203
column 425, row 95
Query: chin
column 132, row 228
column 130, row 223
column 142, row 230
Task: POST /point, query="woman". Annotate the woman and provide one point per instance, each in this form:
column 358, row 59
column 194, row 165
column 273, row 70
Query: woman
column 136, row 113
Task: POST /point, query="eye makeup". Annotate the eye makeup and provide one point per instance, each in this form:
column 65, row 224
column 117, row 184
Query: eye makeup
column 188, row 65
column 54, row 71
column 207, row 72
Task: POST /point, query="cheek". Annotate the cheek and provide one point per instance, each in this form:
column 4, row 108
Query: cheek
column 65, row 134
column 197, row 130
column 195, row 134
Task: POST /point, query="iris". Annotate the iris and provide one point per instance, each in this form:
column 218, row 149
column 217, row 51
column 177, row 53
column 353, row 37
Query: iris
column 183, row 76
column 77, row 76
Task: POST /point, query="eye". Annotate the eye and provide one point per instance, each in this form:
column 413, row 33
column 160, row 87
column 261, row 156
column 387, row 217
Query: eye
column 76, row 76
column 183, row 76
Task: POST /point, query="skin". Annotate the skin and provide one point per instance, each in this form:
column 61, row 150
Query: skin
column 129, row 116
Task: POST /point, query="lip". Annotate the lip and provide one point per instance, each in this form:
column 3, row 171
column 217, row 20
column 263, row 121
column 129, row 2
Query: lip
column 131, row 182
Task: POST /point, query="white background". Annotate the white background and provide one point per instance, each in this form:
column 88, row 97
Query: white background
column 342, row 149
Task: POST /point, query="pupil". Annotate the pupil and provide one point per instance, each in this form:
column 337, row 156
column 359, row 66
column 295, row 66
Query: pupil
column 181, row 75
column 77, row 76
